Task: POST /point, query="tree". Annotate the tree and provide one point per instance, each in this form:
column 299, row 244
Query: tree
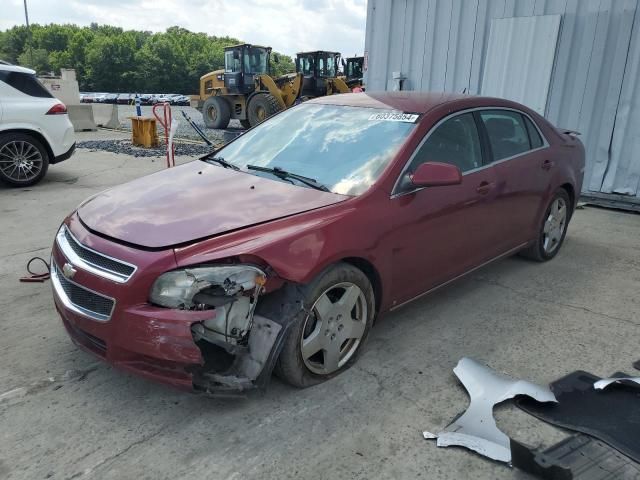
column 13, row 43
column 36, row 58
column 284, row 65
column 108, row 58
column 110, row 63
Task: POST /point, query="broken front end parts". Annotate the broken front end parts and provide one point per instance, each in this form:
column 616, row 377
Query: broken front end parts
column 476, row 428
column 236, row 344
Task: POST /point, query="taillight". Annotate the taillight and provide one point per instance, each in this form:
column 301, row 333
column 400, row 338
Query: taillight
column 58, row 109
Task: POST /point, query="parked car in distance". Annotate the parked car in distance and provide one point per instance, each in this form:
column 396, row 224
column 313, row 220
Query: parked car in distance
column 160, row 98
column 35, row 130
column 183, row 100
column 145, row 99
column 282, row 247
column 110, row 98
column 124, row 99
column 100, row 97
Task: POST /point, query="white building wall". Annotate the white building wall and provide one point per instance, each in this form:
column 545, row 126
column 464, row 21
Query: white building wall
column 595, row 87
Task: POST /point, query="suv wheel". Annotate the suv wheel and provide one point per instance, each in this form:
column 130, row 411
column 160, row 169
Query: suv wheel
column 23, row 160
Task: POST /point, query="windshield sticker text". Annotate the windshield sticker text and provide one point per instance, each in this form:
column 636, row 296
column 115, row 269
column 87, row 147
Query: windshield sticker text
column 395, row 117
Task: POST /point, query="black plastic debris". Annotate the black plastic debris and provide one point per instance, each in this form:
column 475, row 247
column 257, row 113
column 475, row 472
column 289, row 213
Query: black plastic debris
column 611, row 415
column 577, row 457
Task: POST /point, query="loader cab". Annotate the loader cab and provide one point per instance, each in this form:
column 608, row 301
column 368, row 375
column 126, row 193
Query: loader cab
column 353, row 70
column 241, row 65
column 316, row 67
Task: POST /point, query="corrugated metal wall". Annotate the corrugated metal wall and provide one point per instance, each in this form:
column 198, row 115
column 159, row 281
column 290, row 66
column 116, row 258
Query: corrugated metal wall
column 519, row 59
column 595, row 84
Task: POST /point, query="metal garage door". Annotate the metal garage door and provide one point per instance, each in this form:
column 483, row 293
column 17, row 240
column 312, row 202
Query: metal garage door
column 519, row 60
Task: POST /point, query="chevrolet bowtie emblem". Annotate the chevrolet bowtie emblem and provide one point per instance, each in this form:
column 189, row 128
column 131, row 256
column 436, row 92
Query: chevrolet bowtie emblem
column 68, row 271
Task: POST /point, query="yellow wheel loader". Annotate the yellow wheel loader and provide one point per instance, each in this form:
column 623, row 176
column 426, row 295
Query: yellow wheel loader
column 353, row 75
column 244, row 90
column 320, row 72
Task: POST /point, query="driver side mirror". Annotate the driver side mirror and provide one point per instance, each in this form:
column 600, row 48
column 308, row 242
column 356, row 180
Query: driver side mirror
column 344, row 63
column 276, row 58
column 436, row 174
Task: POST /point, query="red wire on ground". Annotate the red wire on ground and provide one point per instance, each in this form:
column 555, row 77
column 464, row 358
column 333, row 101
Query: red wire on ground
column 36, row 277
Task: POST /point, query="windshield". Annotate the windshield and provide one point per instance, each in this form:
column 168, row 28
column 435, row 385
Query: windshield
column 354, row 69
column 255, row 60
column 343, row 148
column 306, row 65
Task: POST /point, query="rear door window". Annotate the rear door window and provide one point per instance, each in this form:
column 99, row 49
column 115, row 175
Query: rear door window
column 534, row 135
column 507, row 133
column 26, row 83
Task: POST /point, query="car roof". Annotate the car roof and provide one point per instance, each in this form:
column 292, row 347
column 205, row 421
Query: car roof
column 409, row 101
column 16, row 68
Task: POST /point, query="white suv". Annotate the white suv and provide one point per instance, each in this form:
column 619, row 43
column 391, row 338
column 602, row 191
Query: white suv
column 35, row 130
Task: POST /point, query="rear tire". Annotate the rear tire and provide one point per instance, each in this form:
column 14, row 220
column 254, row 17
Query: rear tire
column 313, row 340
column 552, row 230
column 261, row 106
column 24, row 161
column 216, row 112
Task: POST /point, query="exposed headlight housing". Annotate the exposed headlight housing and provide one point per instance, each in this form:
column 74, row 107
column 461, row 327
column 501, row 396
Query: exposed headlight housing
column 178, row 288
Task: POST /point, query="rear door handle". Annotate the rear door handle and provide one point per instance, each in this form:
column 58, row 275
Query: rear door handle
column 484, row 188
column 547, row 164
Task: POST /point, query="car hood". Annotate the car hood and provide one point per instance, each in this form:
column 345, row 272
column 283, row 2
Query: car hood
column 194, row 201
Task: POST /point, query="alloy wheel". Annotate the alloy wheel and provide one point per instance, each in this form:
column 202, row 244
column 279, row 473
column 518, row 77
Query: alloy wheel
column 554, row 225
column 334, row 328
column 20, row 160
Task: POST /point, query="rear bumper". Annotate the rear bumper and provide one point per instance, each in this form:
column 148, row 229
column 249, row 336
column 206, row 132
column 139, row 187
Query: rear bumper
column 65, row 156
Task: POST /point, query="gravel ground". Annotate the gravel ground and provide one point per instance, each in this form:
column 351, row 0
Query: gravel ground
column 125, row 147
column 184, row 129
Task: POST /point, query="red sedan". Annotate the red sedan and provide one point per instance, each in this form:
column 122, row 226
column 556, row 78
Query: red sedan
column 280, row 249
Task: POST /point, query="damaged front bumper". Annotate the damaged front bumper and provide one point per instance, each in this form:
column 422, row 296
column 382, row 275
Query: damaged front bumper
column 158, row 344
column 224, row 348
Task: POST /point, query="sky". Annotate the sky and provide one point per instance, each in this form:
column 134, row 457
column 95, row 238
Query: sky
column 289, row 26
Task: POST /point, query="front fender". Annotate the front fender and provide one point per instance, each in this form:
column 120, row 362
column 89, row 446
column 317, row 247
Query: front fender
column 299, row 247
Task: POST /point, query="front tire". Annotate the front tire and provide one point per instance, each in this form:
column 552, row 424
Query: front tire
column 553, row 229
column 261, row 106
column 23, row 160
column 216, row 112
column 341, row 307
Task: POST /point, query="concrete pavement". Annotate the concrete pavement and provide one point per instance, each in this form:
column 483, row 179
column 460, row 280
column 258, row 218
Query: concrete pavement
column 64, row 414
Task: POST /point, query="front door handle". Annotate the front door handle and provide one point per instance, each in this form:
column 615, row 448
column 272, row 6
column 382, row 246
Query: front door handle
column 547, row 164
column 484, row 188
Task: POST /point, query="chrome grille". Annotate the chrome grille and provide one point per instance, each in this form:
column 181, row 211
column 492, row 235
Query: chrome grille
column 92, row 261
column 79, row 299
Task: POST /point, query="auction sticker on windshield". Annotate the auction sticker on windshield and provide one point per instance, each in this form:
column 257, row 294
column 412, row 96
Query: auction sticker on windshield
column 395, row 117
